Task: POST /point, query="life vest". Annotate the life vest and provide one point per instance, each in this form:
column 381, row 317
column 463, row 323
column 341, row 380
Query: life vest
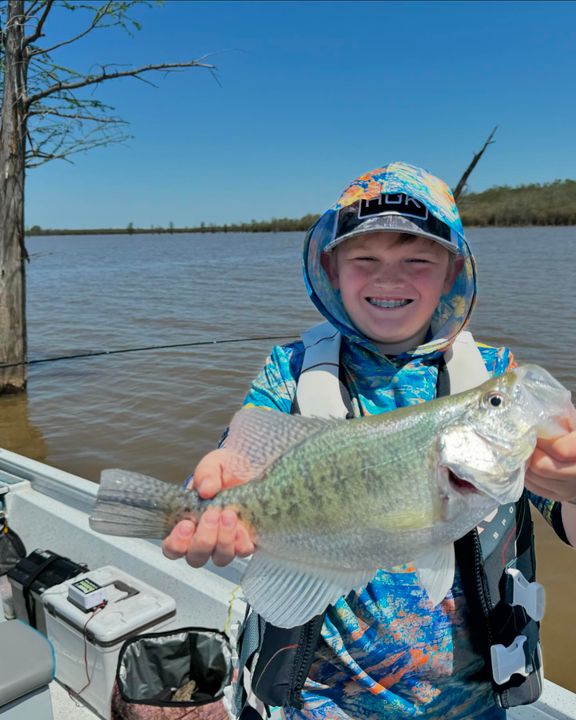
column 496, row 562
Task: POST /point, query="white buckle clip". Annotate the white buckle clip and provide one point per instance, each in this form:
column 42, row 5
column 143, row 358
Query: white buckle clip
column 530, row 595
column 506, row 661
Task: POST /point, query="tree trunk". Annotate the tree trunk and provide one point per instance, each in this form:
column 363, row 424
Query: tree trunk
column 12, row 168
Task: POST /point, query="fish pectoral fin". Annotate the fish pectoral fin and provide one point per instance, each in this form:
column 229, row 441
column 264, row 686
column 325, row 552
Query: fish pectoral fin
column 288, row 593
column 435, row 570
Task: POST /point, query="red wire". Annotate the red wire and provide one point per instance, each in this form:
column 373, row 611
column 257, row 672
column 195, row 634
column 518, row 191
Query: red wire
column 96, row 611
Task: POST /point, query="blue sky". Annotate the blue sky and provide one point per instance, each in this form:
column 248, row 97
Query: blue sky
column 311, row 94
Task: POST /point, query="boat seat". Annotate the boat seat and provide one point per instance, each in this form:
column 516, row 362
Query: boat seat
column 26, row 669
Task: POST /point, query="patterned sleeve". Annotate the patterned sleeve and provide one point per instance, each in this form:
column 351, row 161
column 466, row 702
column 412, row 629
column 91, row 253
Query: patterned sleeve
column 275, row 386
column 551, row 511
column 498, row 360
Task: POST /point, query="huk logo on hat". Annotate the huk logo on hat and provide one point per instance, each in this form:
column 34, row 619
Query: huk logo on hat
column 393, row 203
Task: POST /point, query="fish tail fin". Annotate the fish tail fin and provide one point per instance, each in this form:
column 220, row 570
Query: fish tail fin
column 135, row 505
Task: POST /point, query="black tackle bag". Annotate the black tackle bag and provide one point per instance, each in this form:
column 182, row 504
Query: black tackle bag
column 12, row 549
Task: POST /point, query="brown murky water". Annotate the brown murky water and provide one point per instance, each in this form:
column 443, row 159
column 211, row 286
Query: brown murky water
column 159, row 411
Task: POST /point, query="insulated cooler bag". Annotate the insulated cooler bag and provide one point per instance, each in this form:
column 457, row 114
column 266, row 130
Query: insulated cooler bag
column 173, row 675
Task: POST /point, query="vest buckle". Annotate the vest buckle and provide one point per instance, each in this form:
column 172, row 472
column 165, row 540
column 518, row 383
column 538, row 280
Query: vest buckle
column 529, row 595
column 508, row 661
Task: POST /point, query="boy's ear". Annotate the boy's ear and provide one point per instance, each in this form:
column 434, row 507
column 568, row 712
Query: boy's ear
column 330, row 267
column 454, row 269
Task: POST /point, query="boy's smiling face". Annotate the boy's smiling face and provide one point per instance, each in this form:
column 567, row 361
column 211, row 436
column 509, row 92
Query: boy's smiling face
column 391, row 284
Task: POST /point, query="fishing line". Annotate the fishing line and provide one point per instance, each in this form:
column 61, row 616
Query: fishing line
column 99, row 353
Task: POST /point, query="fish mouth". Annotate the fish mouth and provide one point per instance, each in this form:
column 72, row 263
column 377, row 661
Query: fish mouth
column 461, row 486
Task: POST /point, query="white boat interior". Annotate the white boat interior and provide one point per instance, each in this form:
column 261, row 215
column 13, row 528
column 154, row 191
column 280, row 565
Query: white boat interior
column 49, row 510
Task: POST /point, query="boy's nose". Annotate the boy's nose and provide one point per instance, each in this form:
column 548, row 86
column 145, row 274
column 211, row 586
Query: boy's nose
column 388, row 274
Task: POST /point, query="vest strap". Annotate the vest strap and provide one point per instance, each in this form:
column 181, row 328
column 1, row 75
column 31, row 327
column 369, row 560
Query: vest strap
column 319, row 392
column 250, row 643
column 464, row 364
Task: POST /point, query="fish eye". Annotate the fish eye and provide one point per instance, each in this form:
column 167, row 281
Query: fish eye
column 494, row 400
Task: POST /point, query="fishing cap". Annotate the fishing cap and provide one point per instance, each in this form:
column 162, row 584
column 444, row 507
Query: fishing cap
column 397, row 197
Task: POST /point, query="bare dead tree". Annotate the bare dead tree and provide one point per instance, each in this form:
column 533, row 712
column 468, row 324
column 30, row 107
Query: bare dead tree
column 464, row 179
column 44, row 116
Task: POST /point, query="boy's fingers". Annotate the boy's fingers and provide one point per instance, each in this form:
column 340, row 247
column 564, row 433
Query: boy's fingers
column 552, row 467
column 208, row 475
column 224, row 551
column 220, row 469
column 203, row 543
column 244, row 544
column 176, row 544
column 561, row 448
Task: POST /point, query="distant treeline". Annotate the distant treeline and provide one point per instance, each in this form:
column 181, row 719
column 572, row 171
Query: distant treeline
column 273, row 225
column 547, row 204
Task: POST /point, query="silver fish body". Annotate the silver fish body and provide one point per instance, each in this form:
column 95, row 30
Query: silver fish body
column 331, row 501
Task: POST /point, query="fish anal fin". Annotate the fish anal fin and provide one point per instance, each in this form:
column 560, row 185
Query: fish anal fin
column 287, row 593
column 435, row 570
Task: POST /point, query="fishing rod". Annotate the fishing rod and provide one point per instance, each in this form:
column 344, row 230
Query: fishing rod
column 99, row 353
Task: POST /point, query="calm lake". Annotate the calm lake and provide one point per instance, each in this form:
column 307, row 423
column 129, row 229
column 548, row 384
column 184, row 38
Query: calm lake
column 159, row 411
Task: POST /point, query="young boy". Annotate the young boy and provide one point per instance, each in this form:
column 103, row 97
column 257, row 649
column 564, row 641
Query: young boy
column 388, row 266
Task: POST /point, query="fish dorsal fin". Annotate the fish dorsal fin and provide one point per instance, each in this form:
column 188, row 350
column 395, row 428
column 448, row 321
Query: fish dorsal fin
column 260, row 436
column 287, row 593
column 435, row 570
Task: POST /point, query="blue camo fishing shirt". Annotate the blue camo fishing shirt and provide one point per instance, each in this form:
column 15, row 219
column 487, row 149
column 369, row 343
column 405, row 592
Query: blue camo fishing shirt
column 386, row 652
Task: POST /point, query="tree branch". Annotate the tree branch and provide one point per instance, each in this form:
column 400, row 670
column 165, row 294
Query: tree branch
column 102, row 77
column 67, row 151
column 462, row 183
column 96, row 19
column 45, row 157
column 39, row 27
column 77, row 116
column 34, row 5
column 49, row 137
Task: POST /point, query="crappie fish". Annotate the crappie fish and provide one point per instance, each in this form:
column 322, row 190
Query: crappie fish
column 331, row 501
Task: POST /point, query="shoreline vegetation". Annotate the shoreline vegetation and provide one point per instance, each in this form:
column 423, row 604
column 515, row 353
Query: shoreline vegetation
column 503, row 206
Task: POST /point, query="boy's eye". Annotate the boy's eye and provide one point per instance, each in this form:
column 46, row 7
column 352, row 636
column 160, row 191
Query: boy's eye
column 426, row 261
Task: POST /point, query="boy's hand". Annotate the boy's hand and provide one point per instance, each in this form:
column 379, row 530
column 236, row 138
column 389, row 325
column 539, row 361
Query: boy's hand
column 552, row 468
column 218, row 535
